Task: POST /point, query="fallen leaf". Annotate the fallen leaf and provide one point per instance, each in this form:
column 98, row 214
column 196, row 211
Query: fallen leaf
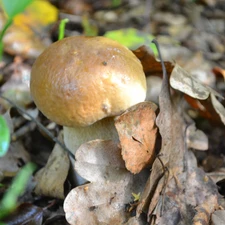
column 196, row 139
column 102, row 202
column 205, row 210
column 51, row 178
column 26, row 213
column 100, row 160
column 150, row 65
column 172, row 192
column 218, row 217
column 21, row 38
column 218, row 107
column 137, row 134
column 16, row 156
column 181, row 80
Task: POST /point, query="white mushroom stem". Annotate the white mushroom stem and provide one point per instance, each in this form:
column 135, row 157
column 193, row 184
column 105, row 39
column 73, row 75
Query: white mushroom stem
column 74, row 137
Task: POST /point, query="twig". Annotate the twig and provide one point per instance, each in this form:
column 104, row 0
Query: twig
column 46, row 131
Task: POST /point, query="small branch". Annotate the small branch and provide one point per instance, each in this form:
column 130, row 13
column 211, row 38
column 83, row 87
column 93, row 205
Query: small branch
column 46, row 131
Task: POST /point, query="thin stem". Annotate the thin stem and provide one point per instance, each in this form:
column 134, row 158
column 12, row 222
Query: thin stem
column 55, row 139
column 62, row 28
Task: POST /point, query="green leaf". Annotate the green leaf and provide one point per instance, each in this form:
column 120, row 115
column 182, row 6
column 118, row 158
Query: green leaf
column 4, row 136
column 132, row 38
column 14, row 7
column 9, row 200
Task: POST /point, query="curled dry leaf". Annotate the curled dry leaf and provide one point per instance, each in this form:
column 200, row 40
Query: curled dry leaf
column 150, row 65
column 183, row 81
column 51, row 178
column 218, row 107
column 137, row 133
column 100, row 160
column 172, row 192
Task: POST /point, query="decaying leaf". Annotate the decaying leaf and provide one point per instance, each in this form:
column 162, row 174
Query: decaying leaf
column 10, row 164
column 51, row 178
column 176, row 185
column 218, row 107
column 100, row 160
column 137, row 133
column 218, row 217
column 102, row 202
column 181, row 80
column 25, row 214
column 196, row 139
column 205, row 210
column 150, row 65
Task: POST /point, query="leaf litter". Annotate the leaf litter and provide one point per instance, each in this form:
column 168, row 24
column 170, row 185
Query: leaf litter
column 177, row 191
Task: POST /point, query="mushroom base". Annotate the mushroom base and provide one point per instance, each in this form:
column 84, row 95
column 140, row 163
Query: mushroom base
column 74, row 137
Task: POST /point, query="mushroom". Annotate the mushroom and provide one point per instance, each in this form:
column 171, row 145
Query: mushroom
column 82, row 82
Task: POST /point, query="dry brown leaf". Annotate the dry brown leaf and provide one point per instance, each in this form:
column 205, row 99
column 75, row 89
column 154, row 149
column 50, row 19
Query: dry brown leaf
column 102, row 202
column 137, row 133
column 99, row 161
column 150, row 65
column 183, row 81
column 10, row 164
column 205, row 210
column 51, row 178
column 172, row 192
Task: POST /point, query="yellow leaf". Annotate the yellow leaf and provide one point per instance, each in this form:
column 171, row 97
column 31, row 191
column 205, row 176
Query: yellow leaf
column 37, row 15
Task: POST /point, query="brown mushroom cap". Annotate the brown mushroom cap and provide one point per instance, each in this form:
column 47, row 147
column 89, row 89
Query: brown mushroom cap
column 79, row 80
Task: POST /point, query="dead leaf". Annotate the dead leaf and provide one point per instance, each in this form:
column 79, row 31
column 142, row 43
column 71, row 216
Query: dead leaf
column 51, row 178
column 181, row 80
column 17, row 87
column 218, row 217
column 150, row 65
column 137, row 133
column 102, row 202
column 21, row 38
column 196, row 139
column 16, row 156
column 100, row 160
column 26, row 213
column 172, row 192
column 205, row 210
column 218, row 107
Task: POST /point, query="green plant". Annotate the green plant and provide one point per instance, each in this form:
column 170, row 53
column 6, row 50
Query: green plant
column 62, row 28
column 9, row 200
column 11, row 9
column 4, row 136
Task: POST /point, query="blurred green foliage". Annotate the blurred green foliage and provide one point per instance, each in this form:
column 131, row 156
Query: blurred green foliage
column 4, row 136
column 17, row 188
column 132, row 38
column 11, row 9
